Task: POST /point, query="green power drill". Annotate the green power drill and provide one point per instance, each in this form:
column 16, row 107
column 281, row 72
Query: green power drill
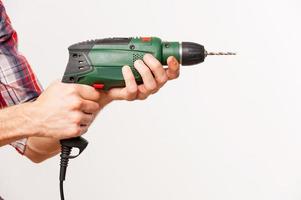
column 98, row 63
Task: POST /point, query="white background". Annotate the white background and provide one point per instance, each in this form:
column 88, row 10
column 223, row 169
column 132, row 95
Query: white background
column 226, row 129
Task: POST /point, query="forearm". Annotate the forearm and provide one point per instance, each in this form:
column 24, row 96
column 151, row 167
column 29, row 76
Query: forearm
column 15, row 123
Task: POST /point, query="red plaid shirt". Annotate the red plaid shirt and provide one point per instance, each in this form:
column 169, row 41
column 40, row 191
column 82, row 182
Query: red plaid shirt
column 18, row 83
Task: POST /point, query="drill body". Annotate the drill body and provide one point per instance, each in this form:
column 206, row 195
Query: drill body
column 98, row 62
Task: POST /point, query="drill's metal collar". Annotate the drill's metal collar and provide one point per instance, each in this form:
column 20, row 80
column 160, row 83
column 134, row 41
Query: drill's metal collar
column 180, row 52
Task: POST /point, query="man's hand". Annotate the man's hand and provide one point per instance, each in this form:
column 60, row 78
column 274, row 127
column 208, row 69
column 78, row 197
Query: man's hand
column 64, row 110
column 154, row 77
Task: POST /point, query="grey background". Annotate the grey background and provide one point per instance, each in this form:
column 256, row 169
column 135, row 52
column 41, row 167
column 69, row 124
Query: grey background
column 226, row 129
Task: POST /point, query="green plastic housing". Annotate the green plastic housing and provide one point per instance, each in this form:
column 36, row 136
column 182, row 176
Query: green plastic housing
column 100, row 61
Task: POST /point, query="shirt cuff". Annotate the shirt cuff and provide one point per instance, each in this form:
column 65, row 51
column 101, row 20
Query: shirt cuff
column 20, row 145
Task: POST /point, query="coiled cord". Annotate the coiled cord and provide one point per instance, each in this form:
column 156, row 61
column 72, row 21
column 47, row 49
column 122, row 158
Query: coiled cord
column 65, row 155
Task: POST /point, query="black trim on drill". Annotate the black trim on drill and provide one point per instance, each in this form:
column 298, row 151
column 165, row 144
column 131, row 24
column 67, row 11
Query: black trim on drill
column 113, row 41
column 87, row 45
column 78, row 63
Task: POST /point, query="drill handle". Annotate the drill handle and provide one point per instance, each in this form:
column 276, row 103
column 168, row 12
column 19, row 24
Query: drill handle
column 78, row 142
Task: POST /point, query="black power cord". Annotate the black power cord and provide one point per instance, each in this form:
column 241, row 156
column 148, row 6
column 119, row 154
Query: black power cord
column 62, row 190
column 66, row 147
column 65, row 154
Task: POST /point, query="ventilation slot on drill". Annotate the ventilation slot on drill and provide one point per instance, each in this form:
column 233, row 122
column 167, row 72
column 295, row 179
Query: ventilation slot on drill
column 137, row 56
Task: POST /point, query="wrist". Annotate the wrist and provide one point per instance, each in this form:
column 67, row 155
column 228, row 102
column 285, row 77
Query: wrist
column 32, row 125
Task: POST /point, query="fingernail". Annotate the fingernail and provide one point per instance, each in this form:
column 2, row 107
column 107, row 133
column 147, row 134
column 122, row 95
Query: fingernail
column 138, row 63
column 126, row 68
column 174, row 61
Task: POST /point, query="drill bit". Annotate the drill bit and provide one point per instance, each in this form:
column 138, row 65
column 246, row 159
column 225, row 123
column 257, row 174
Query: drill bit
column 220, row 53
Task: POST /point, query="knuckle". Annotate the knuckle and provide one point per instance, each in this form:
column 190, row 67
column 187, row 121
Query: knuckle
column 93, row 106
column 152, row 86
column 132, row 90
column 73, row 89
column 75, row 131
column 95, row 93
column 77, row 103
column 90, row 119
column 130, row 96
column 162, row 80
column 84, row 131
column 155, row 91
column 177, row 75
column 174, row 75
column 143, row 97
column 96, row 106
column 77, row 118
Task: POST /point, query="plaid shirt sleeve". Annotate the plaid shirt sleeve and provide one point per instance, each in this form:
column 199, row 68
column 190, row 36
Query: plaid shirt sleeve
column 18, row 83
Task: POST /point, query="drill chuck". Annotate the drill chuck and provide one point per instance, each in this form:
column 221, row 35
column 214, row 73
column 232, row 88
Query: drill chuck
column 192, row 53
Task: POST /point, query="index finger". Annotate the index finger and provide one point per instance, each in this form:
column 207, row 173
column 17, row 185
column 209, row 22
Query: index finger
column 88, row 92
